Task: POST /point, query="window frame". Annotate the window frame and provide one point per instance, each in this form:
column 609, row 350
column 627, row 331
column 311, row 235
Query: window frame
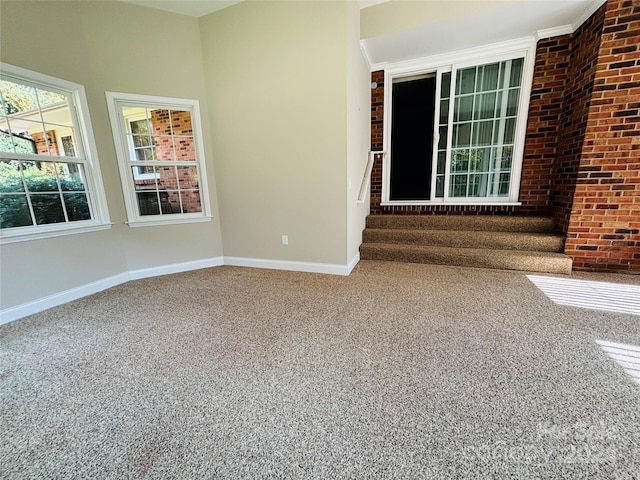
column 115, row 102
column 86, row 154
column 452, row 62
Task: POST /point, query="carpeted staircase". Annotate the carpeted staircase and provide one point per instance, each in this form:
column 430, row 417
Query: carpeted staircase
column 502, row 242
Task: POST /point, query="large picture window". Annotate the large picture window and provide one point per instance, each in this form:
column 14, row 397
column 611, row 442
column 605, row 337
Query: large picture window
column 456, row 133
column 159, row 149
column 49, row 176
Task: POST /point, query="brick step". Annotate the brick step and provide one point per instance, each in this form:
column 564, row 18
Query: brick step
column 542, row 242
column 486, row 223
column 544, row 262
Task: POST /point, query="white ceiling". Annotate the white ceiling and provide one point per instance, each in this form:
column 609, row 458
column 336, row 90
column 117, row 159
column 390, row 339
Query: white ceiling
column 511, row 21
column 192, row 8
column 198, row 8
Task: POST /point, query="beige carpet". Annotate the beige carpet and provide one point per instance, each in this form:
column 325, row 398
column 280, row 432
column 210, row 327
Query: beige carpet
column 397, row 371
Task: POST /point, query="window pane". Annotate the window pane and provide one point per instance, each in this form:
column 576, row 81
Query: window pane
column 512, row 103
column 460, row 160
column 70, row 177
column 148, row 203
column 77, row 206
column 444, row 111
column 10, row 176
column 442, row 138
column 191, row 201
column 462, row 135
column 465, row 81
column 464, row 108
column 502, row 158
column 47, row 208
column 40, row 176
column 188, row 178
column 478, row 185
column 68, row 149
column 480, row 159
column 181, row 123
column 442, row 159
column 439, row 186
column 167, row 178
column 164, row 148
column 505, row 178
column 482, row 132
column 14, row 211
column 488, row 77
column 458, row 186
column 485, row 106
column 516, row 72
column 57, row 115
column 140, row 127
column 17, row 97
column 445, row 86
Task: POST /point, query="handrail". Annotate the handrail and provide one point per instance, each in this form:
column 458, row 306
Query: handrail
column 366, row 179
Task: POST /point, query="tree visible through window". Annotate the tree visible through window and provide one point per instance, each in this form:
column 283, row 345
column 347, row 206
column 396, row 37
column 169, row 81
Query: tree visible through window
column 43, row 170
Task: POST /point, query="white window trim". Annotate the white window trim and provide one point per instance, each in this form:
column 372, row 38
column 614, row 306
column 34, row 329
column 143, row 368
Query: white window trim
column 115, row 102
column 81, row 119
column 521, row 48
column 137, row 175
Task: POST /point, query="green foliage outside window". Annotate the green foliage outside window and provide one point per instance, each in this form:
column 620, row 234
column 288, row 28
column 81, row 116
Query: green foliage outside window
column 47, row 192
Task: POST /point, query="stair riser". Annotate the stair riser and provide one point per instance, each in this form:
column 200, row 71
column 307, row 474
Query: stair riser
column 462, row 222
column 463, row 258
column 463, row 239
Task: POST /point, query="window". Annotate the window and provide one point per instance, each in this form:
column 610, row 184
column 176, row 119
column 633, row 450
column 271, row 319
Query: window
column 159, row 148
column 49, row 174
column 457, row 132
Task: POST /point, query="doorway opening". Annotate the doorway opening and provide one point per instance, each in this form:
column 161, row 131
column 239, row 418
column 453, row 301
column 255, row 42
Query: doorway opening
column 412, row 125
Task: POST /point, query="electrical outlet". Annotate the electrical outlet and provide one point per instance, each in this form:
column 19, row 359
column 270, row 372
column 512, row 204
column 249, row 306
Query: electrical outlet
column 285, row 239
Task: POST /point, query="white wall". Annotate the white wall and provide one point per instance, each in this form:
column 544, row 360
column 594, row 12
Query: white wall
column 105, row 46
column 358, row 130
column 275, row 74
column 284, row 95
column 397, row 15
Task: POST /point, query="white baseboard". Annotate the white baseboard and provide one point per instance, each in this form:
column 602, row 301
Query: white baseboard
column 13, row 313
column 330, row 268
column 176, row 268
column 352, row 264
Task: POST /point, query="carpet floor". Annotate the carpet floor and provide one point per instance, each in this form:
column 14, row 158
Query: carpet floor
column 396, row 371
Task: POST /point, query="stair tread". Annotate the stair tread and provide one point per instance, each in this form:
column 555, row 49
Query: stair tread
column 471, row 251
column 530, row 261
column 502, row 223
column 451, row 232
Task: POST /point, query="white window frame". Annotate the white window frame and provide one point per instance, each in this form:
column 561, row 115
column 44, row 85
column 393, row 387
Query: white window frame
column 137, row 175
column 452, row 62
column 86, row 154
column 115, row 102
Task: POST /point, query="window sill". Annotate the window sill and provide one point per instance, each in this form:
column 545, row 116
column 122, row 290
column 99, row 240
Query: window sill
column 465, row 202
column 173, row 221
column 6, row 236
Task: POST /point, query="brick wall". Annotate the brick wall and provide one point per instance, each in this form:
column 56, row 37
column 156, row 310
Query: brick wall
column 41, row 143
column 581, row 70
column 544, row 120
column 604, row 226
column 377, row 116
column 169, row 129
column 581, row 161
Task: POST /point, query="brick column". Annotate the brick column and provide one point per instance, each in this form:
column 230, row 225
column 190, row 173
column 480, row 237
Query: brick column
column 604, row 225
